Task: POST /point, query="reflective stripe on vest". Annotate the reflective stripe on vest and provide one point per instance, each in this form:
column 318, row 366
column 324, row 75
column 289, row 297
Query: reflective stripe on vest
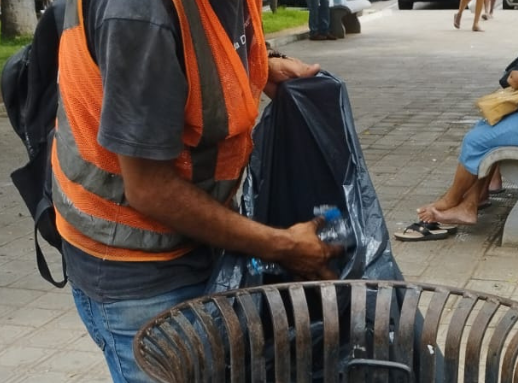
column 220, row 83
column 92, row 212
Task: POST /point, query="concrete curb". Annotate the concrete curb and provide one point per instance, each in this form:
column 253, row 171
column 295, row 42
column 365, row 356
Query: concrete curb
column 287, row 39
column 302, row 33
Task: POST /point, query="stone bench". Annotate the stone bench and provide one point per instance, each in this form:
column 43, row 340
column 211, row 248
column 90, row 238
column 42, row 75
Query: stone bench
column 344, row 16
column 507, row 158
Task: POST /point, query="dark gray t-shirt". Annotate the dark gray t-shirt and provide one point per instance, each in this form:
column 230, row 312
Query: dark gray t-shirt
column 137, row 46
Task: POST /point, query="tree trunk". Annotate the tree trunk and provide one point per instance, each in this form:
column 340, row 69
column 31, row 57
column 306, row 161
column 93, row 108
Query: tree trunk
column 18, row 18
column 273, row 5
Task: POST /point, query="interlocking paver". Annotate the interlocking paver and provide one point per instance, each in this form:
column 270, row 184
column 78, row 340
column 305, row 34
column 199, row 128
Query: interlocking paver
column 71, row 362
column 412, row 80
column 23, row 357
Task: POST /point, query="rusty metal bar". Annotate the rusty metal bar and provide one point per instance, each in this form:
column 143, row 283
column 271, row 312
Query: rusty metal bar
column 358, row 324
column 331, row 332
column 454, row 337
column 303, row 331
column 157, row 369
column 496, row 344
column 212, row 333
column 510, row 358
column 476, row 335
column 280, row 334
column 404, row 336
column 178, row 356
column 235, row 339
column 428, row 348
column 256, row 337
column 381, row 346
column 191, row 347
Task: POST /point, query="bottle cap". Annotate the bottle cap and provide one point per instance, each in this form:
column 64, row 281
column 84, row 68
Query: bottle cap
column 332, row 214
column 255, row 264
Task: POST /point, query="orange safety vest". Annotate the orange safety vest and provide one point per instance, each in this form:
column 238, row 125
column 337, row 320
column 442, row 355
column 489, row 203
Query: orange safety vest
column 221, row 108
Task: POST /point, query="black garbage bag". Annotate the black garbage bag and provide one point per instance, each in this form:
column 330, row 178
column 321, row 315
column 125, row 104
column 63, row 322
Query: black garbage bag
column 306, row 153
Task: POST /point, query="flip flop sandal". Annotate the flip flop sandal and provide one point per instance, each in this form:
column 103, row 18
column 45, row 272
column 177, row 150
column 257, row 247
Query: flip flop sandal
column 497, row 191
column 484, row 205
column 451, row 229
column 417, row 232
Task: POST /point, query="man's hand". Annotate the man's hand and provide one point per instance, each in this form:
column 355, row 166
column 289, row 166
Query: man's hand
column 282, row 69
column 512, row 80
column 155, row 190
column 309, row 258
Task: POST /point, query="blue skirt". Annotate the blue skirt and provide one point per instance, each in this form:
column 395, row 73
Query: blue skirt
column 484, row 138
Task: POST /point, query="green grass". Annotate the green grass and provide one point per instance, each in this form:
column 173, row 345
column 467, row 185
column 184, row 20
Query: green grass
column 9, row 47
column 284, row 18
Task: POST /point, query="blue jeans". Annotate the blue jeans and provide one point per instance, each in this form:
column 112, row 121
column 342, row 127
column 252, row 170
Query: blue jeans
column 483, row 138
column 114, row 325
column 318, row 16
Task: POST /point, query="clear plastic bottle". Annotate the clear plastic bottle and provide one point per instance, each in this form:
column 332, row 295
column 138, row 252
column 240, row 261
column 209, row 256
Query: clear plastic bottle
column 256, row 267
column 335, row 231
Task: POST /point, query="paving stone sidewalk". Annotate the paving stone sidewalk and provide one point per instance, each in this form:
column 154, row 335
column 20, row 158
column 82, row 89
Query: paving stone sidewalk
column 412, row 80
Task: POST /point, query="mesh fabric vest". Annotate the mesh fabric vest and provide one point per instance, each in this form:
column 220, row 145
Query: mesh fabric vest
column 221, row 108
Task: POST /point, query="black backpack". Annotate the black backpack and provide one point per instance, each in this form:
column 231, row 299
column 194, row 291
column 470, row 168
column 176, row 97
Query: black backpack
column 507, row 71
column 30, row 93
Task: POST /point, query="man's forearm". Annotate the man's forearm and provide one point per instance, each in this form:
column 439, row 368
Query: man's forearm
column 190, row 211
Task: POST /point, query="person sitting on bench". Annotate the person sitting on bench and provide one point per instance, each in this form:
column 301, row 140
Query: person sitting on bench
column 460, row 203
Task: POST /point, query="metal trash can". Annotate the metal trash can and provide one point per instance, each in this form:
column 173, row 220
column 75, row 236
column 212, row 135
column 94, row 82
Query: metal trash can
column 337, row 331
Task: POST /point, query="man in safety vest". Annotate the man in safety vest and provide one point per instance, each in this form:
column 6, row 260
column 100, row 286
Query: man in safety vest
column 157, row 102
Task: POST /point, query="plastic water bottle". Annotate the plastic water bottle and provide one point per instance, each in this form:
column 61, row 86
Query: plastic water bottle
column 335, row 229
column 256, row 267
column 334, row 232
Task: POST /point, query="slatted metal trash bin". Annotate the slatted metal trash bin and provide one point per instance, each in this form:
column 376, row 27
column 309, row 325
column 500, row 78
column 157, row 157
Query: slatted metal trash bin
column 228, row 337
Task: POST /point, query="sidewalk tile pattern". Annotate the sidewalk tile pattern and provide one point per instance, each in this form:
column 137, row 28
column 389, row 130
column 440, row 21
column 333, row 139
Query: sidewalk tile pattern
column 412, row 80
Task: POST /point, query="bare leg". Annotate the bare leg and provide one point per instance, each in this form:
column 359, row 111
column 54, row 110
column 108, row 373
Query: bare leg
column 478, row 12
column 462, row 183
column 484, row 190
column 496, row 180
column 483, row 199
column 485, row 15
column 464, row 213
column 456, row 18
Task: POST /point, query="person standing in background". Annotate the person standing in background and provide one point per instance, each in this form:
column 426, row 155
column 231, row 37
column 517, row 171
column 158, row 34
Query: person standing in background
column 489, row 6
column 478, row 11
column 319, row 16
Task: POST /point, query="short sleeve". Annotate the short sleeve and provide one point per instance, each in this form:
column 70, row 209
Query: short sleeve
column 145, row 89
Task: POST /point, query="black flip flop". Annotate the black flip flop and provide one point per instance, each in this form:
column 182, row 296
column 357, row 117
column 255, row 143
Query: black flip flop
column 451, row 229
column 417, row 232
column 496, row 191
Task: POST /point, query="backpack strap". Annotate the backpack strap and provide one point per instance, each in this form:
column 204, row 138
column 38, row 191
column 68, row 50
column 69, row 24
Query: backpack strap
column 44, row 208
